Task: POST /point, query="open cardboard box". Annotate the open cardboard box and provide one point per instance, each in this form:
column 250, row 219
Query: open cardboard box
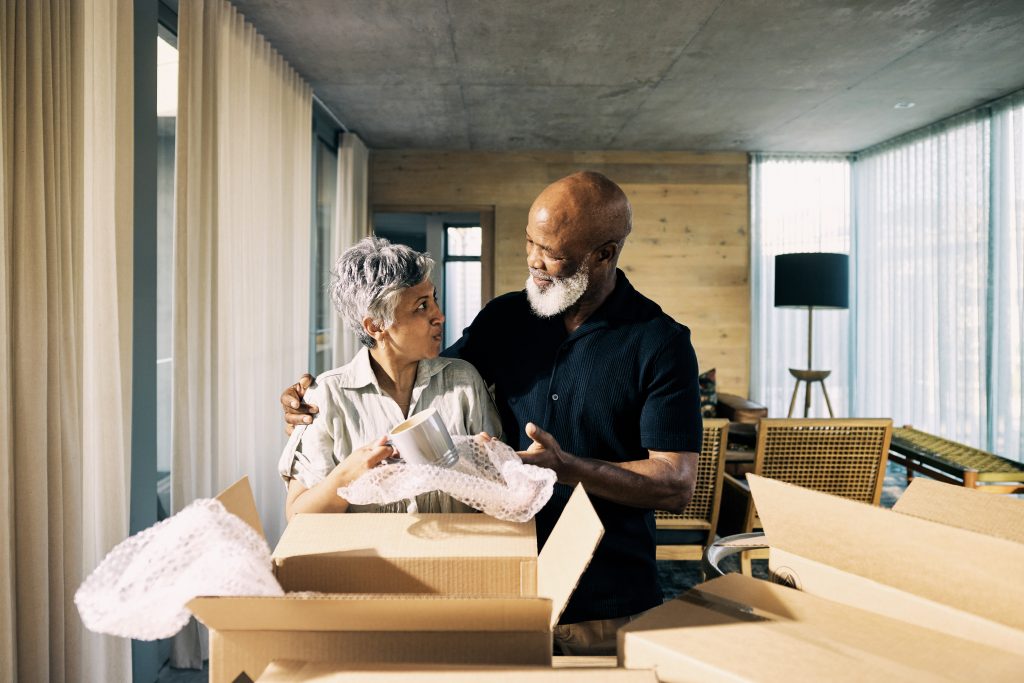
column 305, row 672
column 428, row 588
column 931, row 589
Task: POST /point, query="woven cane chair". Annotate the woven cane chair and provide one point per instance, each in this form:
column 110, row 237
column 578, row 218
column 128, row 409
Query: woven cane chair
column 844, row 457
column 685, row 536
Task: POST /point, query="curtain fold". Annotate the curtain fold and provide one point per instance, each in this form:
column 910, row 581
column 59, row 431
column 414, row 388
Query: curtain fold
column 8, row 623
column 352, row 223
column 922, row 255
column 798, row 204
column 41, row 287
column 1006, row 329
column 241, row 242
column 65, row 321
column 107, row 304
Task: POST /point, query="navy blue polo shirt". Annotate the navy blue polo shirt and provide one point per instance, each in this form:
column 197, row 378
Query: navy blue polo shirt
column 623, row 383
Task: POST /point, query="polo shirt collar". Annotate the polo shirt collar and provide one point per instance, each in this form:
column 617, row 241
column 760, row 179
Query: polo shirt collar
column 615, row 307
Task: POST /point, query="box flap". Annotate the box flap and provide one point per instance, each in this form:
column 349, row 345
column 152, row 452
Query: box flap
column 238, row 500
column 858, row 592
column 372, row 613
column 928, row 559
column 985, row 513
column 323, row 672
column 782, row 635
column 568, row 551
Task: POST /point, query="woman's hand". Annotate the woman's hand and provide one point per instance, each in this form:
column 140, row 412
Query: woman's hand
column 360, row 461
column 323, row 497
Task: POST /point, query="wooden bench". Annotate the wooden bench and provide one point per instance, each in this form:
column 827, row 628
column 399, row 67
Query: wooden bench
column 954, row 463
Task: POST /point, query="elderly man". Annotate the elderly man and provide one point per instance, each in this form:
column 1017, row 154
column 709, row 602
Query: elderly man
column 596, row 382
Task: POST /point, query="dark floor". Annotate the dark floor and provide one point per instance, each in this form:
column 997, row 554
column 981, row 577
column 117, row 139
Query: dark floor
column 675, row 577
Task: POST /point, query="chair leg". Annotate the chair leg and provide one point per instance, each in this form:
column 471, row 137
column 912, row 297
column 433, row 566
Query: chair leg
column 745, row 567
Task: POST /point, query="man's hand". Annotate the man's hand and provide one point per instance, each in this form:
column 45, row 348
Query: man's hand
column 545, row 452
column 296, row 412
column 663, row 481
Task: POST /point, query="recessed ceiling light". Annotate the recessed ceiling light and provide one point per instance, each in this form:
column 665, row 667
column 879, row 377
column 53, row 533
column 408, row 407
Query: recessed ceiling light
column 903, row 105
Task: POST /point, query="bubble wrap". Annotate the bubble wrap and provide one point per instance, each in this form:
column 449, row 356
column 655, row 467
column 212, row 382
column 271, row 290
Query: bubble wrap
column 488, row 476
column 141, row 587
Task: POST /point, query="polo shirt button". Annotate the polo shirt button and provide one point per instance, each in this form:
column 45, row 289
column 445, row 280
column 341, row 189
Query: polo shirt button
column 554, row 397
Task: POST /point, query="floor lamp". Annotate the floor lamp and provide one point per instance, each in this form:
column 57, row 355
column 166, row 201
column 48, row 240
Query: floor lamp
column 811, row 280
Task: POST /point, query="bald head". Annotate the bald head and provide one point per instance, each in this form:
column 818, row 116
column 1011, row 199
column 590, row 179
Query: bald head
column 586, row 208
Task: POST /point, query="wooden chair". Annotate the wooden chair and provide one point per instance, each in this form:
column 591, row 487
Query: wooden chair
column 685, row 536
column 844, row 457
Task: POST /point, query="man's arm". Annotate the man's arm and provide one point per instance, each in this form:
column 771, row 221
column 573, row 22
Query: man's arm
column 664, row 481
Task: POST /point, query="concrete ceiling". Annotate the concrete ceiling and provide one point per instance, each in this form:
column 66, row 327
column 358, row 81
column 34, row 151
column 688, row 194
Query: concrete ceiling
column 762, row 75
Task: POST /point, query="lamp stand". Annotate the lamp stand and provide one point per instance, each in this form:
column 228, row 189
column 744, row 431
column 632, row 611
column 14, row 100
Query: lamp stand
column 809, row 376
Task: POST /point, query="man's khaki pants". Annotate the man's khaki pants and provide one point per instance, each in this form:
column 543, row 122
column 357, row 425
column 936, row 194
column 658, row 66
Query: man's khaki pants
column 590, row 637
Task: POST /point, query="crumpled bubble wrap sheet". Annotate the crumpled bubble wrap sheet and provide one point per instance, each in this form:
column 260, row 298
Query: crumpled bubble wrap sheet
column 489, row 476
column 141, row 587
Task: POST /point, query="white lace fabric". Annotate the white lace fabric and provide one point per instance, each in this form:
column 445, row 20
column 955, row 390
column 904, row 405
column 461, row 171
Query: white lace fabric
column 489, row 477
column 141, row 588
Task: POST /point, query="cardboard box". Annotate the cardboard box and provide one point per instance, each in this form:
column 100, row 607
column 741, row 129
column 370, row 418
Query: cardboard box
column 736, row 628
column 470, row 554
column 304, row 672
column 931, row 589
column 397, row 589
column 944, row 557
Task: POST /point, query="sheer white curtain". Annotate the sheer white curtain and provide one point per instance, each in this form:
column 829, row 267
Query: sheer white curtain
column 242, row 230
column 108, row 294
column 66, row 132
column 1006, row 374
column 352, row 223
column 798, row 204
column 241, row 251
column 921, row 254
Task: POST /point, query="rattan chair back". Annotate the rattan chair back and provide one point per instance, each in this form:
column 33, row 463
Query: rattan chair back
column 844, row 457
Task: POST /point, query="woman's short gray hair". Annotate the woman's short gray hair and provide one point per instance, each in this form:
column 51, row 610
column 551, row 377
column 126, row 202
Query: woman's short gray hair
column 368, row 278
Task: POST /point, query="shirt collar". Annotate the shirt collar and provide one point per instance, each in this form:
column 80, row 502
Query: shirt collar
column 616, row 307
column 361, row 374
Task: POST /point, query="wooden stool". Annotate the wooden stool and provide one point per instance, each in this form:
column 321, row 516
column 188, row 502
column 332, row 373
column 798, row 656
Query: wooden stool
column 809, row 377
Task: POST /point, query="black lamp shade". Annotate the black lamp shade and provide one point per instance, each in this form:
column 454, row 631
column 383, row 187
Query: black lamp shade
column 817, row 279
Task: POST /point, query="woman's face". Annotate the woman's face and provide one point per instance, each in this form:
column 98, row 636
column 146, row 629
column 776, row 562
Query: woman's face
column 417, row 332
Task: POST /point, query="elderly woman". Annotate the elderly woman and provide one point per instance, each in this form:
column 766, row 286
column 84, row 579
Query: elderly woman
column 384, row 293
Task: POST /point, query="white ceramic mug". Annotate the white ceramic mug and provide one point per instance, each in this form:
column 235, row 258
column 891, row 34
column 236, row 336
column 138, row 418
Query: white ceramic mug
column 424, row 440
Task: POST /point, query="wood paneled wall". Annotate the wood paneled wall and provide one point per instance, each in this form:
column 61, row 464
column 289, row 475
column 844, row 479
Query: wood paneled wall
column 690, row 246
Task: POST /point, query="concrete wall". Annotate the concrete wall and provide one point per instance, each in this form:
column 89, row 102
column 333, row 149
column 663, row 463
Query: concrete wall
column 690, row 247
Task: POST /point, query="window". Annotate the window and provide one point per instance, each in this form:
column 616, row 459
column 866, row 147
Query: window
column 325, row 188
column 323, row 250
column 463, row 247
column 167, row 115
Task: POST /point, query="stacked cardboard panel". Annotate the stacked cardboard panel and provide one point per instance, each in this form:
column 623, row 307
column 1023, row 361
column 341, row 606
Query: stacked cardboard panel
column 304, row 672
column 933, row 589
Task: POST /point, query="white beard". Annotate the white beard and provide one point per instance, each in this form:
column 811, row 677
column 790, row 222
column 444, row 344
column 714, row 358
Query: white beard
column 560, row 295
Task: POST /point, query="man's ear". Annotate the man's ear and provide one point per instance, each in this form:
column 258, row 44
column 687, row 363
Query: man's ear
column 607, row 252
